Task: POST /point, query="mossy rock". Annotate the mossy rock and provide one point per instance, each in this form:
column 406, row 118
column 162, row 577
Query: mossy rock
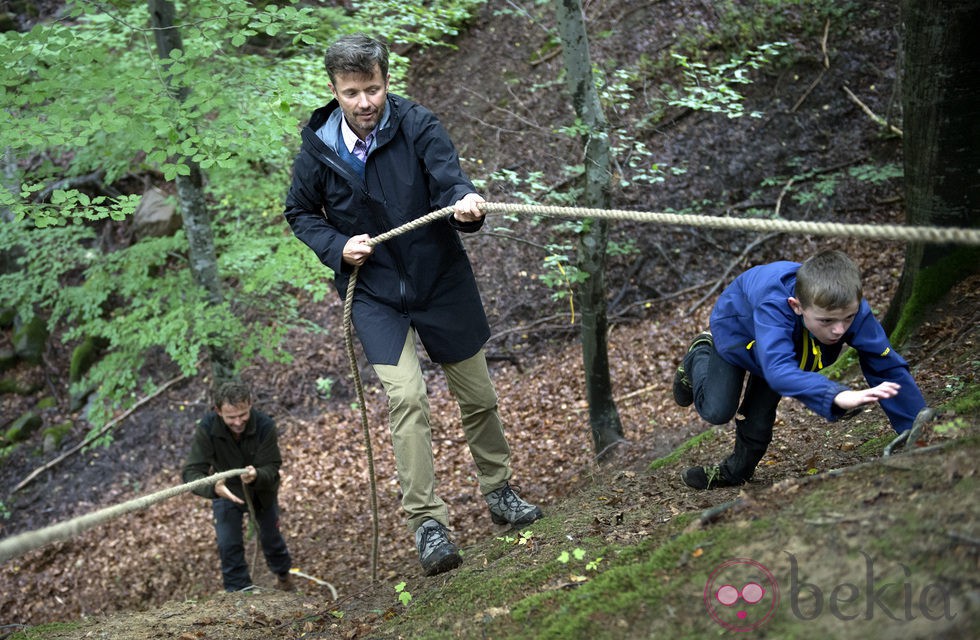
column 10, row 385
column 29, row 339
column 55, row 434
column 18, row 387
column 8, row 451
column 84, row 356
column 8, row 359
column 23, row 427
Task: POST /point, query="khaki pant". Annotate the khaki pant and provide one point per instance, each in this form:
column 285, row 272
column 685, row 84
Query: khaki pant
column 411, row 435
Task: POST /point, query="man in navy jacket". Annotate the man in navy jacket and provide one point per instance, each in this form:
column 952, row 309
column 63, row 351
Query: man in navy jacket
column 371, row 161
column 783, row 322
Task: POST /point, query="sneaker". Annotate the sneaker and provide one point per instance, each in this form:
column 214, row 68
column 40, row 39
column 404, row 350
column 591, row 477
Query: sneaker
column 285, row 583
column 707, row 478
column 506, row 507
column 683, row 389
column 436, row 553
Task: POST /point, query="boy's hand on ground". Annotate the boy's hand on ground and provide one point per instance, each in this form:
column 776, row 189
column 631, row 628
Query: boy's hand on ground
column 852, row 399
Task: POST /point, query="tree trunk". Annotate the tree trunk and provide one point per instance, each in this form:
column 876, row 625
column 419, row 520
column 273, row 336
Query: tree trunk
column 607, row 430
column 941, row 145
column 190, row 192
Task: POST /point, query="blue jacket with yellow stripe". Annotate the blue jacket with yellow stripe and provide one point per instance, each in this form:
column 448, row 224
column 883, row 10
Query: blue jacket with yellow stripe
column 755, row 329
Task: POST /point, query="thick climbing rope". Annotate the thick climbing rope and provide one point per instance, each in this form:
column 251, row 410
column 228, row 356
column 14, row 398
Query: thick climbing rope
column 955, row 235
column 880, row 232
column 29, row 540
column 22, row 543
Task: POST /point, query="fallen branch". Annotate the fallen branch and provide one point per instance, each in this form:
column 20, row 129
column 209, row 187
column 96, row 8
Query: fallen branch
column 826, row 65
column 109, row 425
column 871, row 114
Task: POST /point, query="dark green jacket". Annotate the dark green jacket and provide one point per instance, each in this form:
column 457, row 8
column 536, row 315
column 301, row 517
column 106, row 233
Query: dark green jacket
column 214, row 450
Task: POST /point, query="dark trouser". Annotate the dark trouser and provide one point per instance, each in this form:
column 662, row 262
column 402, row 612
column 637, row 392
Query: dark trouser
column 228, row 519
column 717, row 388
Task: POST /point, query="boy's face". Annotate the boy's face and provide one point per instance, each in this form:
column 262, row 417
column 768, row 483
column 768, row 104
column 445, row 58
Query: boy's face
column 827, row 325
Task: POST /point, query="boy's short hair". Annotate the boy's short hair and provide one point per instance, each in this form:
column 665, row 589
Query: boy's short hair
column 357, row 53
column 232, row 392
column 829, row 280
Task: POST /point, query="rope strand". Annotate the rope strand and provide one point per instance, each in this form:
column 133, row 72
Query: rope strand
column 30, row 540
column 22, row 543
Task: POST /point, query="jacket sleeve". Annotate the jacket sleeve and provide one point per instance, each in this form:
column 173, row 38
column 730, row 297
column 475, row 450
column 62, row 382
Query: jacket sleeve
column 198, row 464
column 446, row 181
column 777, row 359
column 880, row 363
column 268, row 458
column 305, row 215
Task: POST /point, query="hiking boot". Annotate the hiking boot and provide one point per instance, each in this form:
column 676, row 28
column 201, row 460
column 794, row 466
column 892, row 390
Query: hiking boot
column 683, row 388
column 506, row 507
column 436, row 553
column 707, row 478
column 285, row 582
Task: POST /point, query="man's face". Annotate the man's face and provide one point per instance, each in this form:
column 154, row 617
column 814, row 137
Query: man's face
column 235, row 416
column 362, row 98
column 827, row 325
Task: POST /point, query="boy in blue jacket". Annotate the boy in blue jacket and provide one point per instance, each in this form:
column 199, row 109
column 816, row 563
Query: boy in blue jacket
column 783, row 322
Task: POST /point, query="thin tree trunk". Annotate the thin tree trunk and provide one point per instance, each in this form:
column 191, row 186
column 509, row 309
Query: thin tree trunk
column 190, row 192
column 607, row 430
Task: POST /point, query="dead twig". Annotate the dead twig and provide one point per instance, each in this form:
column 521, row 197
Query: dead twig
column 782, row 194
column 871, row 114
column 809, row 90
column 823, row 44
column 826, row 66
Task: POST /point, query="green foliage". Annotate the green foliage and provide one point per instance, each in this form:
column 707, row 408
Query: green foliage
column 814, row 189
column 712, row 87
column 522, row 538
column 324, row 387
column 417, row 21
column 87, row 101
column 404, row 595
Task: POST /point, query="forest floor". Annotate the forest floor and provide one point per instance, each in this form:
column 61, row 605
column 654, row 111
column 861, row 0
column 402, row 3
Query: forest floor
column 846, row 543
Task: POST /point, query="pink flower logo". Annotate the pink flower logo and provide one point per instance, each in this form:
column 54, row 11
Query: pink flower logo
column 741, row 595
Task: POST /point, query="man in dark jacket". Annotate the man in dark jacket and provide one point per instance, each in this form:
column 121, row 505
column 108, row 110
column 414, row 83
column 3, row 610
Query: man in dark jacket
column 236, row 436
column 371, row 161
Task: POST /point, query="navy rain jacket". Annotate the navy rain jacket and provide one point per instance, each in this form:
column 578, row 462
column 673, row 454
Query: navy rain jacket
column 422, row 278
